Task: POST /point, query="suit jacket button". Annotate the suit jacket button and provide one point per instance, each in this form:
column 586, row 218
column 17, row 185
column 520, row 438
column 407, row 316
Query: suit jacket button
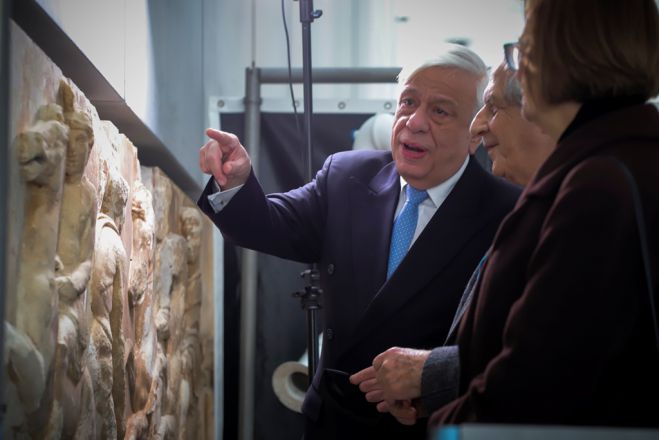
column 329, row 334
column 330, row 268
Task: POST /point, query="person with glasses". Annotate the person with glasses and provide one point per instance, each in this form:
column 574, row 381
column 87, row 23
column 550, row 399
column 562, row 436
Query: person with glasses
column 517, row 148
column 563, row 326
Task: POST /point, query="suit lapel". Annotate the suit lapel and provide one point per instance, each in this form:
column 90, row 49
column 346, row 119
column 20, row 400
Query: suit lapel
column 374, row 204
column 445, row 235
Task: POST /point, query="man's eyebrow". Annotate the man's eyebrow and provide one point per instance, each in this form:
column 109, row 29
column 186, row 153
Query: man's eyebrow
column 446, row 103
column 409, row 90
column 492, row 100
column 443, row 99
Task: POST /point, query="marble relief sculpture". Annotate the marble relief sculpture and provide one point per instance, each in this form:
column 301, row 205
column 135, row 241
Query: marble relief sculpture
column 107, row 292
column 30, row 345
column 73, row 386
column 103, row 300
column 190, row 221
column 147, row 359
column 162, row 200
column 170, row 292
column 76, row 375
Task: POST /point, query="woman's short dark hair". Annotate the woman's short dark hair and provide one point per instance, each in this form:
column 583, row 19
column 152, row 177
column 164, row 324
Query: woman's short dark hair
column 590, row 49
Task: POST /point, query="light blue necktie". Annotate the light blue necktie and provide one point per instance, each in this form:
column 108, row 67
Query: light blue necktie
column 404, row 228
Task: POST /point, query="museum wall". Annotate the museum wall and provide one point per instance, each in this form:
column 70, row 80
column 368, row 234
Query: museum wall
column 151, row 54
column 109, row 305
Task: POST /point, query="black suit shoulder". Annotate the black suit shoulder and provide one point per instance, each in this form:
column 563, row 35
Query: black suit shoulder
column 363, row 163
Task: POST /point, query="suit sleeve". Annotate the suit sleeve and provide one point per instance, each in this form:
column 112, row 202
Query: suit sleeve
column 288, row 225
column 570, row 318
column 440, row 377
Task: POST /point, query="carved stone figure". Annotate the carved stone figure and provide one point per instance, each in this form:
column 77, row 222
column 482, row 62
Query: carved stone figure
column 170, row 293
column 147, row 359
column 40, row 152
column 162, row 200
column 23, row 364
column 162, row 205
column 107, row 292
column 73, row 388
column 190, row 221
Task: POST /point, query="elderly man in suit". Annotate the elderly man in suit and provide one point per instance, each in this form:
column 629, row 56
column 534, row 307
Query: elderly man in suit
column 517, row 148
column 395, row 234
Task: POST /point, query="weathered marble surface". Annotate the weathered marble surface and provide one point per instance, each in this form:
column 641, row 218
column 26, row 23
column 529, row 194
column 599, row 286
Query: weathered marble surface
column 39, row 151
column 75, row 249
column 109, row 303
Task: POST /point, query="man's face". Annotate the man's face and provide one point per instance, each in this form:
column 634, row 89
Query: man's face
column 77, row 152
column 506, row 136
column 430, row 138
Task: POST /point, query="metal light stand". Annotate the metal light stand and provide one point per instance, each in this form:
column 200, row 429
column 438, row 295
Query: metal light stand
column 311, row 294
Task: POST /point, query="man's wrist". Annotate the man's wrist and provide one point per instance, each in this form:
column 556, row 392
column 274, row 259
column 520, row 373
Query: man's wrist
column 221, row 198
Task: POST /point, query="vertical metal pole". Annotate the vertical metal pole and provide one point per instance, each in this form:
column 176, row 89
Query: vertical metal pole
column 306, row 11
column 249, row 267
column 5, row 6
column 310, row 303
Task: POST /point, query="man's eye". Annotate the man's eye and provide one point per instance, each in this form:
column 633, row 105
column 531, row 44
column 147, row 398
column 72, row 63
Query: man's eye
column 440, row 111
column 491, row 109
column 406, row 102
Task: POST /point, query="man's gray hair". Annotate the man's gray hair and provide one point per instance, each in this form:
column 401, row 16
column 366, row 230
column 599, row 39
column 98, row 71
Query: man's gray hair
column 512, row 91
column 453, row 56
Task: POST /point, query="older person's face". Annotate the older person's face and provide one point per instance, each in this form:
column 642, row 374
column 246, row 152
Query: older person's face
column 430, row 138
column 516, row 146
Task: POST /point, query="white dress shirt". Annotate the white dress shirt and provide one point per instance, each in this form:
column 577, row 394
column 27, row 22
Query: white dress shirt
column 436, row 196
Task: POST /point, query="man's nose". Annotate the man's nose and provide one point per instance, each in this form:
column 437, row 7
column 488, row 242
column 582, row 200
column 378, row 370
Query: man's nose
column 418, row 121
column 479, row 126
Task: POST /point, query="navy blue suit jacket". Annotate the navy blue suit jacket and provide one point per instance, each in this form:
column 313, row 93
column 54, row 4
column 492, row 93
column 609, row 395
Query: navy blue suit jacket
column 342, row 220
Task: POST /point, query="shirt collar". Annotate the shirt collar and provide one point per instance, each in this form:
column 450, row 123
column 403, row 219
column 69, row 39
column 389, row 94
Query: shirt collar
column 437, row 194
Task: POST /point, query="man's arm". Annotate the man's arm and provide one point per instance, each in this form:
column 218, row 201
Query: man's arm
column 288, row 225
column 440, row 378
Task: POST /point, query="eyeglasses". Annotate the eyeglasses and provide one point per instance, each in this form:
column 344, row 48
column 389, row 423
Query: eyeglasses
column 513, row 55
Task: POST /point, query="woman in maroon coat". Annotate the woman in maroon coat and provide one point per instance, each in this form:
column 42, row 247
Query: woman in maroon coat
column 562, row 329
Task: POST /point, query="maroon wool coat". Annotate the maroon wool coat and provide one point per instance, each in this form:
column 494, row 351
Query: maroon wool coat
column 560, row 330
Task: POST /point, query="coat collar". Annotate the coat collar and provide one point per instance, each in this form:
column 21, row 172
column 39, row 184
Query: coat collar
column 636, row 122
